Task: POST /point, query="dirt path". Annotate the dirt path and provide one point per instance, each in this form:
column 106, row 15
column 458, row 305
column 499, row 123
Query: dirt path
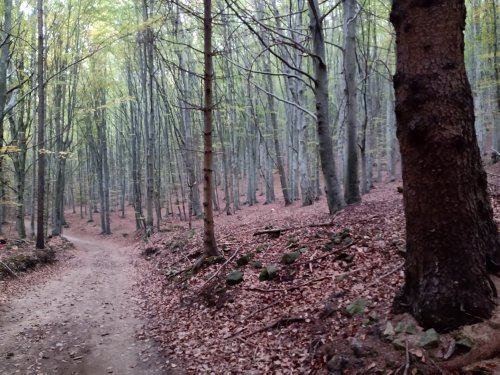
column 83, row 322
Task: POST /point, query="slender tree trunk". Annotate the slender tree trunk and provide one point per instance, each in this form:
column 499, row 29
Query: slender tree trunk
column 209, row 235
column 496, row 74
column 322, row 110
column 351, row 186
column 40, row 237
column 4, row 64
column 451, row 237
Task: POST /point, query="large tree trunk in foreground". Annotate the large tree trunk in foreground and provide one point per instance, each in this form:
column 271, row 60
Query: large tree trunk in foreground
column 451, row 236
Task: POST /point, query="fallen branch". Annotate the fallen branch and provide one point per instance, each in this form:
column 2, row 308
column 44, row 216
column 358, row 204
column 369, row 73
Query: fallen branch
column 282, row 322
column 220, row 269
column 277, row 231
column 323, row 256
column 290, row 288
column 8, row 269
column 262, row 309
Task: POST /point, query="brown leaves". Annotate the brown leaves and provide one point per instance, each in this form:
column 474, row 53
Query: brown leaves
column 241, row 335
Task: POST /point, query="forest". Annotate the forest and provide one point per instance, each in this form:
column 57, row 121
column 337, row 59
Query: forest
column 283, row 187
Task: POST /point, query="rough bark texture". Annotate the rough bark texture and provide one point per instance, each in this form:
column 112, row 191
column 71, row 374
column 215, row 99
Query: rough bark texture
column 451, row 235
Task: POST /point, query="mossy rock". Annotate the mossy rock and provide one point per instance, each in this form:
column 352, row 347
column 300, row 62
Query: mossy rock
column 257, row 264
column 289, row 258
column 235, row 277
column 429, row 338
column 329, row 246
column 261, row 248
column 243, row 260
column 268, row 273
column 343, row 237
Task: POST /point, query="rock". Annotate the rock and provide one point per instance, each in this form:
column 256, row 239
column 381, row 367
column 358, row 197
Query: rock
column 234, row 277
column 329, row 246
column 357, row 307
column 338, row 363
column 399, row 343
column 268, row 273
column 404, row 327
column 243, row 260
column 429, row 338
column 389, row 330
column 257, row 264
column 359, row 348
column 289, row 258
column 464, row 342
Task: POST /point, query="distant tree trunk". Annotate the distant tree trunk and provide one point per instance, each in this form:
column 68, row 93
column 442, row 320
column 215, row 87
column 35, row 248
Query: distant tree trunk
column 148, row 117
column 390, row 139
column 351, row 186
column 496, row 75
column 4, row 65
column 273, row 117
column 452, row 240
column 135, row 151
column 40, row 235
column 322, row 112
column 209, row 235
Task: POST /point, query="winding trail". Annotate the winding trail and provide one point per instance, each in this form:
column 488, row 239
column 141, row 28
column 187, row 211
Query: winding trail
column 86, row 321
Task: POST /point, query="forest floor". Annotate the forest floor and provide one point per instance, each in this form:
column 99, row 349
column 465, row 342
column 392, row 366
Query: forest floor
column 117, row 304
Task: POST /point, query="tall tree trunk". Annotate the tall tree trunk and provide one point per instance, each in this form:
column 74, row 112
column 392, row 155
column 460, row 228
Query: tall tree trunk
column 496, row 74
column 351, row 186
column 4, row 65
column 209, row 234
column 146, row 72
column 451, row 237
column 322, row 109
column 40, row 237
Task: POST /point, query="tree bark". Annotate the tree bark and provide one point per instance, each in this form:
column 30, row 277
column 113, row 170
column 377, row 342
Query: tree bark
column 40, row 240
column 209, row 235
column 351, row 185
column 452, row 240
column 322, row 112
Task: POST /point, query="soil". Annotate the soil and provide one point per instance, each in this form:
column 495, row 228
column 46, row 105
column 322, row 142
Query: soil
column 82, row 320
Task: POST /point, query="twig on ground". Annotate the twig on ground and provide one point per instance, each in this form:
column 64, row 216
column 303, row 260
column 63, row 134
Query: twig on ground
column 278, row 231
column 324, row 256
column 407, row 364
column 8, row 269
column 292, row 287
column 282, row 322
column 262, row 309
column 221, row 267
column 385, row 275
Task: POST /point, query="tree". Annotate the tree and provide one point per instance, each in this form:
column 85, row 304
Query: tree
column 4, row 64
column 322, row 112
column 351, row 186
column 40, row 243
column 451, row 237
column 209, row 235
